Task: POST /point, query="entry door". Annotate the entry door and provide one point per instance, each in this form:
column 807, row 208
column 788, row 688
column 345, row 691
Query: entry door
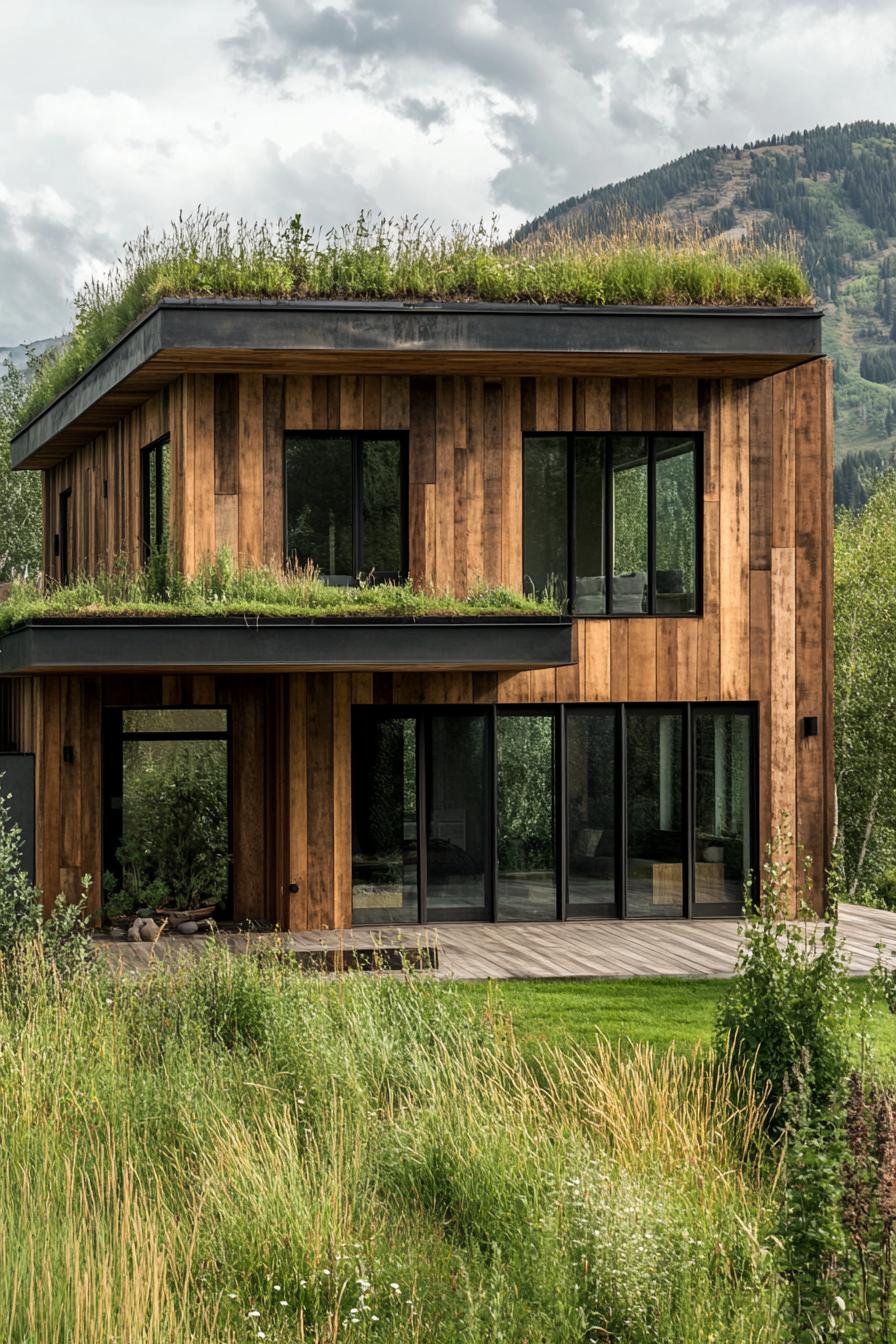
column 459, row 825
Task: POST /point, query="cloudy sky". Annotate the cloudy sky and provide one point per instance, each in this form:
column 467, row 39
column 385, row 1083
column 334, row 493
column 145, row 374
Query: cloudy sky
column 116, row 114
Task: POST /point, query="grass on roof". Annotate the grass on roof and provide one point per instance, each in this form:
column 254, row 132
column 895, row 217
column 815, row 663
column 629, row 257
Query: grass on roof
column 220, row 589
column 206, row 254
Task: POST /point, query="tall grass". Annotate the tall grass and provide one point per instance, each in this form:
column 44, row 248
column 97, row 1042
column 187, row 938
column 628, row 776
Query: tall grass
column 207, row 254
column 231, row 1150
column 220, row 588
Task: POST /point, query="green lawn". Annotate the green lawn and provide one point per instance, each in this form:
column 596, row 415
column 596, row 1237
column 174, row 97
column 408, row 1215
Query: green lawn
column 663, row 1012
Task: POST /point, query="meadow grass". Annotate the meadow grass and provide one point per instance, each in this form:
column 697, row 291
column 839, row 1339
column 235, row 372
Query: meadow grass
column 221, row 589
column 232, row 1150
column 205, row 254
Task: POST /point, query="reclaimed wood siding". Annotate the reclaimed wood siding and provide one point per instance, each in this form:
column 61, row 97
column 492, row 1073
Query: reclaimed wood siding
column 104, row 478
column 764, row 634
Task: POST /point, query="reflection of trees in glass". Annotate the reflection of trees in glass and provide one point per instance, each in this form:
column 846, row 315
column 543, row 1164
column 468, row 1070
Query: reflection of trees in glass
column 382, row 507
column 319, row 503
column 545, row 557
column 676, row 544
column 525, row 792
column 175, row 817
column 388, row 759
column 630, row 519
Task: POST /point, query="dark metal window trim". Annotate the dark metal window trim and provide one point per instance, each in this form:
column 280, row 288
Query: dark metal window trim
column 423, row 714
column 65, row 534
column 652, row 439
column 152, row 482
column 358, row 437
column 113, row 738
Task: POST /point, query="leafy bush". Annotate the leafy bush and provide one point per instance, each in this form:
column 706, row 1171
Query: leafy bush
column 64, row 938
column 787, row 1007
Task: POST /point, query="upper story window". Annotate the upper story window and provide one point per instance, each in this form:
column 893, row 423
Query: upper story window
column 155, row 492
column 346, row 505
column 611, row 522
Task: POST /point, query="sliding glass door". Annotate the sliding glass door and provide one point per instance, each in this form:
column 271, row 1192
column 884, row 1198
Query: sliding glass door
column 592, row 806
column 458, row 848
column 537, row 813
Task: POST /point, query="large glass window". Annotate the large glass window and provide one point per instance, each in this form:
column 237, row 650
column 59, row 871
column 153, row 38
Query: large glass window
column 384, row 820
column 655, row 876
column 527, row 872
column 545, row 551
column 345, row 505
column 623, row 505
column 156, row 491
column 646, row 811
column 591, row 807
column 723, row 809
column 168, row 814
column 458, row 846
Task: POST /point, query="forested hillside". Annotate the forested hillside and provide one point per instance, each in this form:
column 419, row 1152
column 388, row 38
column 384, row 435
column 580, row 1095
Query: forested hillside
column 834, row 190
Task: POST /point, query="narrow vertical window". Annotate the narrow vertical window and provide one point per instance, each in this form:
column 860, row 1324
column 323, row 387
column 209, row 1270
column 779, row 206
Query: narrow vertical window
column 345, row 506
column 591, row 812
column 381, row 511
column 545, row 520
column 631, row 546
column 676, row 526
column 589, row 524
column 723, row 824
column 65, row 536
column 155, row 483
column 654, row 804
column 384, row 820
column 527, row 872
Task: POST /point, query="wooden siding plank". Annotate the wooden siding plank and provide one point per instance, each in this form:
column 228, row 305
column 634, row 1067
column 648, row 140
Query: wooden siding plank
column 299, row 781
column 642, row 659
column 761, row 402
column 395, row 394
column 422, row 440
column 226, row 437
column 493, row 500
column 783, row 682
column 204, row 465
column 351, row 401
column 251, row 469
column 444, row 523
column 511, row 486
column 341, row 913
column 783, row 461
column 734, row 542
column 298, row 412
column 273, row 472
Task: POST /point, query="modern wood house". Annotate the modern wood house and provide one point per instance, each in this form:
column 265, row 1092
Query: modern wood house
column 665, row 473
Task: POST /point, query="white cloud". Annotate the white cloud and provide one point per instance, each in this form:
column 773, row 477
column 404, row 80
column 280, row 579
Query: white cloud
column 118, row 116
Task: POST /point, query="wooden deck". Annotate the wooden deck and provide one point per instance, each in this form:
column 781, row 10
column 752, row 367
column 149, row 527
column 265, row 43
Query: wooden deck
column 596, row 950
column 609, row 949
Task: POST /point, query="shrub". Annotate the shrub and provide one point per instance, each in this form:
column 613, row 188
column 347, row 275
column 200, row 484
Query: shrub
column 787, row 1006
column 64, row 938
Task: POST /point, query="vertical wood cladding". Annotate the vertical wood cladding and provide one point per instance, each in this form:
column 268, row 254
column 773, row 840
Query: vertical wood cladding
column 764, row 633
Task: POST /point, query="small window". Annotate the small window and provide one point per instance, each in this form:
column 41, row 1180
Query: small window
column 346, row 505
column 155, row 493
column 617, row 505
column 65, row 536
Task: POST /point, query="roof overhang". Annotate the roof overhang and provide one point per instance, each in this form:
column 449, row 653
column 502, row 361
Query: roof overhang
column 254, row 644
column 326, row 336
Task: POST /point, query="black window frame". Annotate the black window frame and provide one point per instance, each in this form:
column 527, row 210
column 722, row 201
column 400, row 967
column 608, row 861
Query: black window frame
column 652, row 439
column 687, row 710
column 64, row 536
column 114, row 737
column 152, row 482
column 358, row 437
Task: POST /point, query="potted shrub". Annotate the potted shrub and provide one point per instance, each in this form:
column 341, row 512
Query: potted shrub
column 135, row 891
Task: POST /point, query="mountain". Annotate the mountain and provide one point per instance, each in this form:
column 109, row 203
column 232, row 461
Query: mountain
column 833, row 189
column 18, row 355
